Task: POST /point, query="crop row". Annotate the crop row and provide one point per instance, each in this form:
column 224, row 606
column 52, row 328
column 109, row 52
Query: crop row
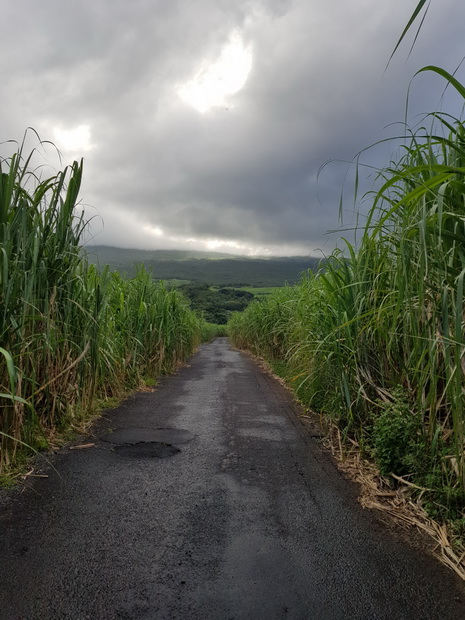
column 376, row 340
column 69, row 334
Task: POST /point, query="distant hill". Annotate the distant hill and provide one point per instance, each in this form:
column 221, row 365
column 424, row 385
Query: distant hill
column 212, row 267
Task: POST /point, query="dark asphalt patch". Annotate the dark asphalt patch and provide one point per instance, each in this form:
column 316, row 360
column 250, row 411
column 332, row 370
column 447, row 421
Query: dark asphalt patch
column 148, row 435
column 146, row 450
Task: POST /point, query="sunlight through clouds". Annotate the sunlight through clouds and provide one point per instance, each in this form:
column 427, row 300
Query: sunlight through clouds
column 144, row 102
column 215, row 82
column 73, row 140
column 153, row 230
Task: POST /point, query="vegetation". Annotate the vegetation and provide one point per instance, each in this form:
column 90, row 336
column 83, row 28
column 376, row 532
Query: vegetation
column 69, row 333
column 216, row 269
column 260, row 291
column 377, row 341
column 216, row 305
column 210, row 331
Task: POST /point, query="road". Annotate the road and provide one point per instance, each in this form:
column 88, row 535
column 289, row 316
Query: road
column 230, row 511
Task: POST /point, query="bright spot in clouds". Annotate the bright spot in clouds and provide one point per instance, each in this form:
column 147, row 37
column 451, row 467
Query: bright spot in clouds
column 214, row 82
column 153, row 230
column 73, row 140
column 215, row 244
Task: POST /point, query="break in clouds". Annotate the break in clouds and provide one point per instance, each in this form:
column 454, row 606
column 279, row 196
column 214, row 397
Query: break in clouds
column 205, row 124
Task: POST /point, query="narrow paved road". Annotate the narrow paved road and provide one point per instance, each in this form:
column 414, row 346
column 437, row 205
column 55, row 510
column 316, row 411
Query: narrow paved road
column 243, row 517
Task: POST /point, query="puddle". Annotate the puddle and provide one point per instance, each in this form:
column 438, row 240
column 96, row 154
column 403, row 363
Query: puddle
column 146, row 450
column 148, row 435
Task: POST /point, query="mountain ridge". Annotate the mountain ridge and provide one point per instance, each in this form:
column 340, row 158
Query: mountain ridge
column 214, row 268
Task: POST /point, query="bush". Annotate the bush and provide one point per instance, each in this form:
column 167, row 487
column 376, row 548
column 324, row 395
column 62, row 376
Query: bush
column 397, row 441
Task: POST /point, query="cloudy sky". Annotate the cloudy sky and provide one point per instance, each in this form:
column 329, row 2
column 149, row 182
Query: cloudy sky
column 204, row 123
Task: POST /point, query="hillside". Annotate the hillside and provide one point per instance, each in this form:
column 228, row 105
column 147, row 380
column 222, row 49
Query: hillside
column 215, row 268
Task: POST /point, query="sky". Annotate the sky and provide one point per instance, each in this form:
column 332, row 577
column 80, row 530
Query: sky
column 207, row 124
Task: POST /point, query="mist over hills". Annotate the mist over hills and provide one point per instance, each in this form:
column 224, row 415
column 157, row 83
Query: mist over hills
column 215, row 268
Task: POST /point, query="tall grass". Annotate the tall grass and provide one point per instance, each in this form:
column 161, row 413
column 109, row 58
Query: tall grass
column 376, row 341
column 68, row 333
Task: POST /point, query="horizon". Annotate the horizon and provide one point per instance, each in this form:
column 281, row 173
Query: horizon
column 96, row 248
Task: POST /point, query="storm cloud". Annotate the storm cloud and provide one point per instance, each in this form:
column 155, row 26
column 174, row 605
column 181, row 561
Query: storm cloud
column 107, row 81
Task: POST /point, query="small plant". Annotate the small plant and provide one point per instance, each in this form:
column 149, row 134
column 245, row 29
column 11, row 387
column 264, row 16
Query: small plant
column 397, row 438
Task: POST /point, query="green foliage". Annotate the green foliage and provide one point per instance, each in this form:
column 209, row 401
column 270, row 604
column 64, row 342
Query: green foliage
column 261, row 291
column 216, row 305
column 416, row 13
column 70, row 335
column 210, row 331
column 397, row 439
column 388, row 313
column 261, row 327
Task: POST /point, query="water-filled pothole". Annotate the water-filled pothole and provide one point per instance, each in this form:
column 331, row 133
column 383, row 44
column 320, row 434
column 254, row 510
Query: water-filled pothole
column 148, row 435
column 146, row 450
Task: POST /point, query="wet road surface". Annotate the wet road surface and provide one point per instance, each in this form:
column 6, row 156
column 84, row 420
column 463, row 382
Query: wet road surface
column 235, row 514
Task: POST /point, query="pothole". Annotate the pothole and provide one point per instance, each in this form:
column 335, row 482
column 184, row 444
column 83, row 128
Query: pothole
column 146, row 450
column 148, row 435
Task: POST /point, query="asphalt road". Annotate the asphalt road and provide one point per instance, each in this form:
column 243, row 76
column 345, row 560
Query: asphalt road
column 242, row 516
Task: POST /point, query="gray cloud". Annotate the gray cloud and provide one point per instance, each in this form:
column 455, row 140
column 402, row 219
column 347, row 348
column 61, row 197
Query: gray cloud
column 246, row 171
